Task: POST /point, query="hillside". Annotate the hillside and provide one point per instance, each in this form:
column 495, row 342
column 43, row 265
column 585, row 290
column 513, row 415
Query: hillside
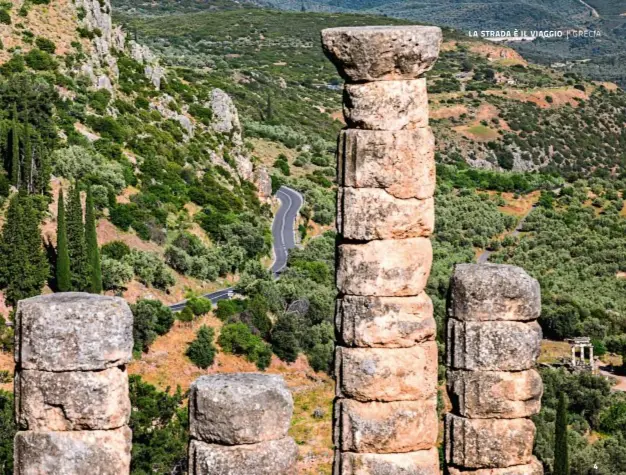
column 492, row 109
column 600, row 58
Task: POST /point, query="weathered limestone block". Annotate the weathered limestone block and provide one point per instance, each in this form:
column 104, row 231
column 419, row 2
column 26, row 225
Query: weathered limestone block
column 488, row 443
column 493, row 346
column 240, row 408
column 401, row 162
column 73, row 452
column 385, row 427
column 391, row 322
column 274, row 457
column 533, row 468
column 365, row 214
column 78, row 400
column 386, row 105
column 493, row 292
column 375, row 53
column 386, row 374
column 424, row 462
column 495, row 394
column 389, row 268
column 81, row 332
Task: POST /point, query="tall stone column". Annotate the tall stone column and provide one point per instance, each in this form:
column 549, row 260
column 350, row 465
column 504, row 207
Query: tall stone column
column 71, row 387
column 386, row 358
column 239, row 423
column 493, row 345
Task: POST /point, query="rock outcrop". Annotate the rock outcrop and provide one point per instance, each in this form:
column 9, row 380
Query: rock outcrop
column 239, row 424
column 493, row 345
column 71, row 387
column 386, row 361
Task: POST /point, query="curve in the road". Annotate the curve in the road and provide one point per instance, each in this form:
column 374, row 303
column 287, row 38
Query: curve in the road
column 284, row 237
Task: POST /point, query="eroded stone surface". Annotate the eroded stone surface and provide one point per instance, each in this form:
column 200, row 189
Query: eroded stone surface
column 387, row 105
column 385, row 427
column 387, row 268
column 493, row 292
column 488, row 443
column 372, row 53
column 73, row 331
column 73, row 452
column 392, row 322
column 386, row 374
column 424, row 462
column 366, row 214
column 402, row 162
column 78, row 400
column 533, row 468
column 496, row 394
column 274, row 457
column 241, row 408
column 493, row 346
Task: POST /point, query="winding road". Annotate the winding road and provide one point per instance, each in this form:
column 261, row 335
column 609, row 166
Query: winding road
column 284, row 237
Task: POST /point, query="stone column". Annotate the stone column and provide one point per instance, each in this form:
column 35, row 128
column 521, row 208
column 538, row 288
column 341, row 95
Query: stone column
column 71, row 386
column 591, row 360
column 386, row 358
column 493, row 344
column 239, row 423
column 573, row 355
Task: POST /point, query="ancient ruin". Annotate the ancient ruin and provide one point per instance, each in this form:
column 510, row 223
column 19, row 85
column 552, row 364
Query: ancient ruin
column 71, row 387
column 386, row 358
column 493, row 342
column 578, row 346
column 239, row 425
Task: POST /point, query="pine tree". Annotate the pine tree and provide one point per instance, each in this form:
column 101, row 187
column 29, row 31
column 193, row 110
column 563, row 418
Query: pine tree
column 93, row 254
column 202, row 350
column 25, row 267
column 79, row 264
column 14, row 153
column 63, row 275
column 561, row 455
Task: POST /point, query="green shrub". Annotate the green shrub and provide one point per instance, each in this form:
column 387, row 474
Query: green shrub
column 237, row 338
column 115, row 250
column 40, row 60
column 202, row 351
column 115, row 274
column 199, row 305
column 228, row 308
column 44, row 44
column 151, row 318
column 5, row 17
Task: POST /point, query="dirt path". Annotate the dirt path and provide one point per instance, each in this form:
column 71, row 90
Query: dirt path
column 484, row 257
column 621, row 380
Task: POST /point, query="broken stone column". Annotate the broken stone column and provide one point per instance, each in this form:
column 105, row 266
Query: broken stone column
column 386, row 358
column 493, row 345
column 239, row 423
column 71, row 387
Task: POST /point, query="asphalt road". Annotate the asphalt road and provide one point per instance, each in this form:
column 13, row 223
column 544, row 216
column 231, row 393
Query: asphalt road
column 284, row 237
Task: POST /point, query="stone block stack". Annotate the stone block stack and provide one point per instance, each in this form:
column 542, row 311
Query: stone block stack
column 493, row 344
column 239, row 424
column 386, row 359
column 71, row 386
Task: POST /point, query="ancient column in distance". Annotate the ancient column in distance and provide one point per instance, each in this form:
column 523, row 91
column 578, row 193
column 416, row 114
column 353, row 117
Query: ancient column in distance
column 386, row 356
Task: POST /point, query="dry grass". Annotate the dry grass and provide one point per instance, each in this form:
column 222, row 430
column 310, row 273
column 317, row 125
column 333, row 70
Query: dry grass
column 167, row 366
column 519, row 207
column 552, row 351
column 7, row 364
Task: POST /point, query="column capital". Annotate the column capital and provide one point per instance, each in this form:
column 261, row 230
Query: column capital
column 382, row 53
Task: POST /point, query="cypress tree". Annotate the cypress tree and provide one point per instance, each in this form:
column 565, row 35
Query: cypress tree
column 27, row 168
column 63, row 276
column 93, row 254
column 14, row 157
column 79, row 264
column 561, row 455
column 25, row 267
